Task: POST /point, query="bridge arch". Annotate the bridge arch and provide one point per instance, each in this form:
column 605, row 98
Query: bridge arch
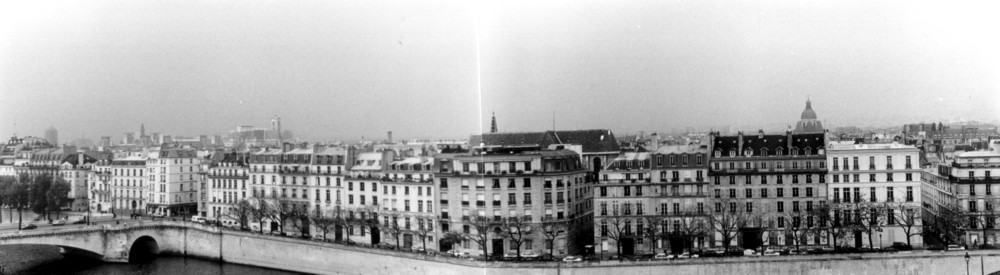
column 143, row 249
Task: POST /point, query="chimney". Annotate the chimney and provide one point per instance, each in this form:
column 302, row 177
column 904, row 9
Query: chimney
column 788, row 143
column 285, row 147
column 760, row 133
column 656, row 142
column 739, row 143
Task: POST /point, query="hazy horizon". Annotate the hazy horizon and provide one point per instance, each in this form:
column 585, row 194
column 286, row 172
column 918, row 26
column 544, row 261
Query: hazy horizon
column 344, row 69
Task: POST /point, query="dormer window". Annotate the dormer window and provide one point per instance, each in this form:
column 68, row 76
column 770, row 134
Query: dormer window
column 795, row 151
column 807, row 151
column 748, row 152
column 718, row 153
column 779, row 152
column 763, row 151
column 732, row 153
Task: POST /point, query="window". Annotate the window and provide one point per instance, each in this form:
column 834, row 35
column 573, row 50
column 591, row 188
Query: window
column 888, row 177
column 763, row 179
column 749, row 207
column 909, row 193
column 732, row 193
column 909, row 177
column 889, row 194
column 795, row 206
column 836, row 178
column 781, row 206
column 871, row 194
column 781, row 192
column 749, row 193
column 795, row 192
column 809, row 192
column 763, row 193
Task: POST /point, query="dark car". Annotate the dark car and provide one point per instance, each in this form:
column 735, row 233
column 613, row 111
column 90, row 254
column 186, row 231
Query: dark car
column 81, row 221
column 30, row 226
column 901, row 246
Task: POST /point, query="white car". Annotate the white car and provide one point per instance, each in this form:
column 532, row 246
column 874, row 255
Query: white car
column 573, row 259
column 771, row 252
column 662, row 256
column 750, row 252
column 198, row 219
column 954, row 247
column 457, row 253
column 687, row 255
column 529, row 255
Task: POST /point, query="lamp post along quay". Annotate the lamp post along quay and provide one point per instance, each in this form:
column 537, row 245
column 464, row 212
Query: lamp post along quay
column 967, row 258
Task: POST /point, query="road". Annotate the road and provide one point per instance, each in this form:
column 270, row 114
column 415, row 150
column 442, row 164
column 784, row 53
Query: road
column 28, row 218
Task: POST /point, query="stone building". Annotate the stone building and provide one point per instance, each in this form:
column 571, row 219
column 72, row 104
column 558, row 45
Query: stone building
column 774, row 181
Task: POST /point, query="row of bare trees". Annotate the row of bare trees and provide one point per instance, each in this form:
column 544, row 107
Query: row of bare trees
column 42, row 194
column 516, row 229
column 835, row 220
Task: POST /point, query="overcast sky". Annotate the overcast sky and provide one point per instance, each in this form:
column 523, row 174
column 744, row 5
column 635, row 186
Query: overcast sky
column 339, row 69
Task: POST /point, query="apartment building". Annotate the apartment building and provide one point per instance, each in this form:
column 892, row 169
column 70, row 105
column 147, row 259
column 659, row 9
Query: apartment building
column 174, row 176
column 887, row 176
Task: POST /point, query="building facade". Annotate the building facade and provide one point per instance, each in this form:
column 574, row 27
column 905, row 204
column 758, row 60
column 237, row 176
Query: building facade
column 492, row 183
column 173, row 182
column 774, row 182
column 877, row 177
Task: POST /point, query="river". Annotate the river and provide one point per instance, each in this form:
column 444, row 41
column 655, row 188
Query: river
column 42, row 259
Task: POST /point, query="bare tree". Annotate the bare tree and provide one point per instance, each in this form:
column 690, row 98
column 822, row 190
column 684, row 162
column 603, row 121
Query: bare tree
column 241, row 213
column 300, row 219
column 515, row 228
column 908, row 219
column 390, row 225
column 618, row 230
column 948, row 225
column 482, row 226
column 282, row 211
column 692, row 226
column 551, row 229
column 870, row 217
column 652, row 231
column 824, row 221
column 727, row 220
column 261, row 211
column 323, row 221
column 424, row 229
column 986, row 218
column 795, row 227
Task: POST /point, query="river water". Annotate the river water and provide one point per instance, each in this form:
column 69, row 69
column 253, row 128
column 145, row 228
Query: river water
column 162, row 265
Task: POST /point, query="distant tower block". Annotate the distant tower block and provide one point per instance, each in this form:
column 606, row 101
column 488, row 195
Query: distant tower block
column 276, row 126
column 390, row 136
column 52, row 136
column 493, row 125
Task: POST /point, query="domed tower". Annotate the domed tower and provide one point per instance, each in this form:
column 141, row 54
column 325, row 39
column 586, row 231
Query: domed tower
column 808, row 122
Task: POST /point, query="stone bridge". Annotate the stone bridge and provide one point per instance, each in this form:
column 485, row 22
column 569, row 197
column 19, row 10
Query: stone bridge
column 125, row 243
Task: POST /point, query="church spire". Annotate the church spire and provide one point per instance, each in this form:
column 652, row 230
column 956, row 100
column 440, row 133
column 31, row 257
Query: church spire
column 493, row 125
column 808, row 104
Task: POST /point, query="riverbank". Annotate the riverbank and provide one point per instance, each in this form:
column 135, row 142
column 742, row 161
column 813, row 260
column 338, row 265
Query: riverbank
column 18, row 258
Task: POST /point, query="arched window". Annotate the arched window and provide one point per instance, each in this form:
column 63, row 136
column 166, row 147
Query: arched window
column 748, row 152
column 718, row 153
column 732, row 152
column 779, row 152
column 763, row 151
column 795, row 151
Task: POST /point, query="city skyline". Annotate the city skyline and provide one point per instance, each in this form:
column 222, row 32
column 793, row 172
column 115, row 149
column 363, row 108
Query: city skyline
column 346, row 70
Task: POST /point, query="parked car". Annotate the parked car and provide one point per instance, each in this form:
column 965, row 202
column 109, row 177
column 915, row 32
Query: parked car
column 59, row 222
column 750, row 252
column 510, row 255
column 712, row 253
column 529, row 255
column 901, row 246
column 417, row 248
column 457, row 253
column 796, row 252
column 662, row 256
column 954, row 247
column 29, row 226
column 771, row 252
column 198, row 219
column 572, row 259
column 687, row 255
column 80, row 221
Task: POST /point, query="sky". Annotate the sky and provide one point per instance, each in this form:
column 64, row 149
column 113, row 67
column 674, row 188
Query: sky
column 422, row 69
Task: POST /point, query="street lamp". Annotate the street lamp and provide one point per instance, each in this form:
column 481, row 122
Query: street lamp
column 967, row 258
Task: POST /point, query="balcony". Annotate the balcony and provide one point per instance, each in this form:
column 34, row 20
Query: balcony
column 968, row 180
